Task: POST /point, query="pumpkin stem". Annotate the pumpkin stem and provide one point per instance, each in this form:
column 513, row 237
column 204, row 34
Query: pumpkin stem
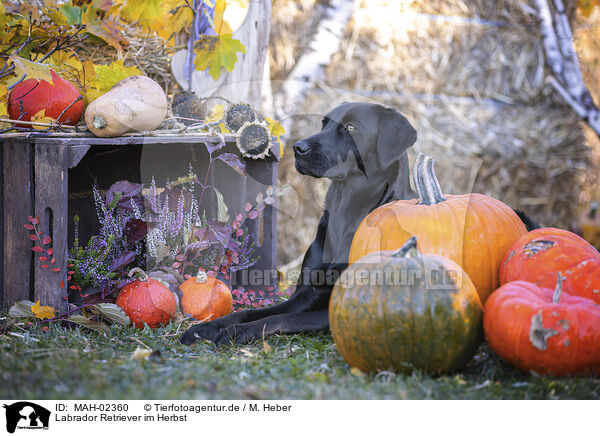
column 99, row 122
column 201, row 277
column 558, row 289
column 142, row 276
column 428, row 187
column 409, row 249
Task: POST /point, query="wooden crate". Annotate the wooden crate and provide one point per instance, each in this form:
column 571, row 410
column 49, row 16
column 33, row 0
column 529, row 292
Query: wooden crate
column 50, row 176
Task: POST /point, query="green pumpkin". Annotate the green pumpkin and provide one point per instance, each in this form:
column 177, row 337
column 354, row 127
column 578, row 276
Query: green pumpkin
column 402, row 310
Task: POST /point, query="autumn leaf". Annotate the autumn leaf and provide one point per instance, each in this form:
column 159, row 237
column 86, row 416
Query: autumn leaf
column 275, row 127
column 221, row 26
column 586, row 7
column 33, row 70
column 216, row 114
column 104, row 77
column 145, row 12
column 216, row 52
column 42, row 312
column 3, row 101
column 40, row 117
column 180, row 17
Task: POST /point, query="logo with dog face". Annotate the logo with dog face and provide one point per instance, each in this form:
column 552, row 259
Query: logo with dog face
column 26, row 415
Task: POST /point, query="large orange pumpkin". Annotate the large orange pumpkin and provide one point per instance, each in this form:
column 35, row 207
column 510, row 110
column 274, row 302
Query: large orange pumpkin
column 147, row 301
column 473, row 230
column 206, row 298
column 540, row 329
column 540, row 254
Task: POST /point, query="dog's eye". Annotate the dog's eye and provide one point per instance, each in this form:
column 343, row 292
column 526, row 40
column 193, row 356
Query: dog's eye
column 350, row 128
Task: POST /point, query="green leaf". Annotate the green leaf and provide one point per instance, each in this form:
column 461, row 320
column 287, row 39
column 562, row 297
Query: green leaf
column 88, row 323
column 110, row 311
column 71, row 13
column 216, row 52
column 21, row 309
column 222, row 209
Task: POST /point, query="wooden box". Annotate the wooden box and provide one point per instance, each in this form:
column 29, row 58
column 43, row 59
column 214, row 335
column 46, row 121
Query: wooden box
column 50, row 176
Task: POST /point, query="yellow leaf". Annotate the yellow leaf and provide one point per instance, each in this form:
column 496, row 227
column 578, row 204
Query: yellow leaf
column 33, row 70
column 221, row 26
column 180, row 17
column 216, row 52
column 3, row 102
column 216, row 113
column 42, row 312
column 275, row 127
column 356, row 372
column 141, row 354
column 145, row 12
column 40, row 117
column 105, row 77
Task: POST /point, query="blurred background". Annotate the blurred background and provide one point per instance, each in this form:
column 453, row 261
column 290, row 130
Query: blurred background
column 470, row 76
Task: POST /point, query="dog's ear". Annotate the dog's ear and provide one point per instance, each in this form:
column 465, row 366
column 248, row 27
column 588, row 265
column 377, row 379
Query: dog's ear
column 395, row 136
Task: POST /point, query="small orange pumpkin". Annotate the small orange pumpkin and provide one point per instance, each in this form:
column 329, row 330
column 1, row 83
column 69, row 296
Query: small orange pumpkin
column 473, row 230
column 147, row 301
column 206, row 298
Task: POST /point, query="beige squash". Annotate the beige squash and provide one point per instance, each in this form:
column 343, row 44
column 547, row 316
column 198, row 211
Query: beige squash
column 134, row 104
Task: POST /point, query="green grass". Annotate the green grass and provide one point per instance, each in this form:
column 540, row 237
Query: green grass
column 79, row 364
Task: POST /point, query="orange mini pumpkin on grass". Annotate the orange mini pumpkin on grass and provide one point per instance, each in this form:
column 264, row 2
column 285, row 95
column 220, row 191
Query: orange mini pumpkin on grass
column 147, row 301
column 206, row 298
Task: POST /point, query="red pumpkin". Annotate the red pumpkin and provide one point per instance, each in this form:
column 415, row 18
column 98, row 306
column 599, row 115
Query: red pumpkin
column 147, row 301
column 538, row 329
column 540, row 254
column 35, row 95
column 206, row 298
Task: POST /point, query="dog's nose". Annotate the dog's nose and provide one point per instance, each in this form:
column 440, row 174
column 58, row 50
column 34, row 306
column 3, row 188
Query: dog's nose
column 301, row 147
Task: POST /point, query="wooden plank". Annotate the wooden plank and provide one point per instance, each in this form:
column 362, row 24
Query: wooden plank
column 17, row 206
column 76, row 153
column 51, row 205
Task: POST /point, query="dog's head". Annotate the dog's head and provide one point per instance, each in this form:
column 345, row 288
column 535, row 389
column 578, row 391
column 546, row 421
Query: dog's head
column 355, row 139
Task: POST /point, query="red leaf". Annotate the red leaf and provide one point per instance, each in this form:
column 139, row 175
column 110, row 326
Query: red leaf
column 72, row 287
column 176, row 265
column 62, row 285
column 53, row 260
column 46, row 240
column 33, row 220
column 247, row 207
column 33, row 237
column 43, row 258
column 28, row 226
column 45, row 266
column 56, row 269
column 37, row 249
column 70, row 265
column 50, row 251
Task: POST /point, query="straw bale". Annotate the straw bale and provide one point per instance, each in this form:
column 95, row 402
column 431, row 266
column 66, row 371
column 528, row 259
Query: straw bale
column 469, row 75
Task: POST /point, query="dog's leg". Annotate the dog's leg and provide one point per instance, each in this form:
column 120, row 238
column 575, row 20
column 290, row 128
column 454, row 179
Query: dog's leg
column 285, row 323
column 306, row 298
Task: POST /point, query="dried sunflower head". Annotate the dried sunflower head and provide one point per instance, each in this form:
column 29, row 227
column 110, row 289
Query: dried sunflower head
column 236, row 115
column 254, row 139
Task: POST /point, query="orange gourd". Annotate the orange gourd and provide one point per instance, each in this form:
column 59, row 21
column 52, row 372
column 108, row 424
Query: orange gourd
column 540, row 254
column 473, row 230
column 146, row 300
column 205, row 298
column 543, row 330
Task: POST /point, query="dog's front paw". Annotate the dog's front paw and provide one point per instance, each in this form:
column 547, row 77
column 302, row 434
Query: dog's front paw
column 235, row 334
column 207, row 330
